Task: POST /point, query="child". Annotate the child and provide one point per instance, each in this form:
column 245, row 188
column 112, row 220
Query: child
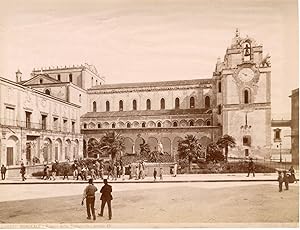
column 280, row 180
column 154, row 174
column 286, row 180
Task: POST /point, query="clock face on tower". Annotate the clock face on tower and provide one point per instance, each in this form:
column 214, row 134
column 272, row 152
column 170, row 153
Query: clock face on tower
column 246, row 74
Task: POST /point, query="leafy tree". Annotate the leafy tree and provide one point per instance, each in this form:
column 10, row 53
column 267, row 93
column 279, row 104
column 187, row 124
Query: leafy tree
column 226, row 141
column 94, row 148
column 214, row 153
column 190, row 148
column 113, row 144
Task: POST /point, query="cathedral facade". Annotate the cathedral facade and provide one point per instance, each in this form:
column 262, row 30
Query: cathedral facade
column 236, row 101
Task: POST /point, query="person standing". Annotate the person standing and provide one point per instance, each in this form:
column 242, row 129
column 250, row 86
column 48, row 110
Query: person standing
column 280, row 181
column 251, row 167
column 175, row 169
column 106, row 197
column 66, row 170
column 89, row 196
column 286, row 180
column 161, row 173
column 54, row 170
column 154, row 174
column 129, row 171
column 23, row 171
column 123, row 171
column 137, row 173
column 292, row 172
column 3, row 172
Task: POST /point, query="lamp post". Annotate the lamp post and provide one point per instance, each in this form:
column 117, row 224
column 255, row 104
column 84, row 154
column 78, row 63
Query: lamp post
column 280, row 157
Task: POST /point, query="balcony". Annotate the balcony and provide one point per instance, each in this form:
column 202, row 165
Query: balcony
column 31, row 125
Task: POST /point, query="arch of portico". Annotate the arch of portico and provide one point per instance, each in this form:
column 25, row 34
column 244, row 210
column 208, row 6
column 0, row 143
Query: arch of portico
column 67, row 149
column 166, row 143
column 137, row 144
column 153, row 143
column 47, row 149
column 129, row 145
column 12, row 150
column 58, row 149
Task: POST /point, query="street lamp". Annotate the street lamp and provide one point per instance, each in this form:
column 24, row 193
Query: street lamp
column 280, row 157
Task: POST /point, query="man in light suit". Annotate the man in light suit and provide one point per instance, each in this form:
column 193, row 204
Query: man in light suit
column 106, row 197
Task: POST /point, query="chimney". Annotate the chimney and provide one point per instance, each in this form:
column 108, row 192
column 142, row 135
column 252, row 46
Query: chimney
column 18, row 76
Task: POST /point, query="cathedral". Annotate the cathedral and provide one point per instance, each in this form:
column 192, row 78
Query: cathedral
column 59, row 110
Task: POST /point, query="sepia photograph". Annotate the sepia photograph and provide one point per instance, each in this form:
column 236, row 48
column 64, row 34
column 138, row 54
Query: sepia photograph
column 149, row 114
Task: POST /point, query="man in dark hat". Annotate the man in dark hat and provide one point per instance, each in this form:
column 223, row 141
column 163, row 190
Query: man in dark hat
column 89, row 195
column 106, row 197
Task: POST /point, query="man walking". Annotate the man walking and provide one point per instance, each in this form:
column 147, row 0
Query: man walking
column 251, row 167
column 3, row 172
column 89, row 195
column 23, row 171
column 106, row 197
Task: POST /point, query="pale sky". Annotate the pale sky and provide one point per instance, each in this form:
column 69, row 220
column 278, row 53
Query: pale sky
column 148, row 40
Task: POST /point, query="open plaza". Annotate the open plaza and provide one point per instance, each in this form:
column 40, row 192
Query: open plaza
column 188, row 200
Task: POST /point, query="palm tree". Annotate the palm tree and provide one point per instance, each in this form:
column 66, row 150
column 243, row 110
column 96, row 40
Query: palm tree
column 94, row 148
column 226, row 141
column 190, row 148
column 214, row 153
column 112, row 143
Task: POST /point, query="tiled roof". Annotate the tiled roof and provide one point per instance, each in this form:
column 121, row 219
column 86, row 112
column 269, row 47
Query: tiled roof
column 146, row 113
column 153, row 84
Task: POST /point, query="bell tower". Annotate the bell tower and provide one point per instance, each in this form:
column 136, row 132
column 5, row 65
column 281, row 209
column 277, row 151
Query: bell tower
column 243, row 83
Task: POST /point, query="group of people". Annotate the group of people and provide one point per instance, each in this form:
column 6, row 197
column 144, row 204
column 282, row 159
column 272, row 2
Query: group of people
column 286, row 177
column 89, row 195
column 50, row 174
column 138, row 171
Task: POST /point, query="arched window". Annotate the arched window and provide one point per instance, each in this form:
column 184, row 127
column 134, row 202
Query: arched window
column 207, row 102
column 219, row 87
column 99, row 125
column 219, row 109
column 92, row 81
column 47, row 91
column 58, row 77
column 79, row 97
column 191, row 123
column 134, row 104
column 70, row 77
column 128, row 125
column 246, row 96
column 208, row 123
column 84, row 126
column 121, row 105
column 177, row 103
column 107, row 106
column 96, row 82
column 113, row 125
column 175, row 124
column 192, row 102
column 94, row 106
column 41, row 81
column 162, row 103
column 143, row 124
column 158, row 124
column 148, row 104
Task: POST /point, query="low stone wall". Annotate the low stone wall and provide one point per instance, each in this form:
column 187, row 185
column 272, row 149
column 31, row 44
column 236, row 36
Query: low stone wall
column 149, row 168
column 14, row 171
